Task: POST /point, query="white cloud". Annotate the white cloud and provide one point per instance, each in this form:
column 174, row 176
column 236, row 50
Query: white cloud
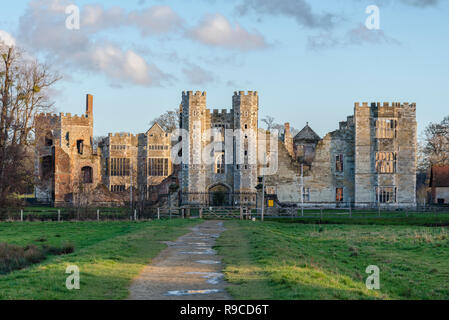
column 42, row 29
column 155, row 20
column 197, row 75
column 356, row 36
column 7, row 39
column 216, row 30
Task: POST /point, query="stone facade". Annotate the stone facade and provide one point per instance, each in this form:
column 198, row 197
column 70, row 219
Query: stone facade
column 370, row 159
column 69, row 170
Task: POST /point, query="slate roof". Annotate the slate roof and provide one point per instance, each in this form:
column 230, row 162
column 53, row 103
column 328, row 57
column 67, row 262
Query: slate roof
column 439, row 177
column 307, row 134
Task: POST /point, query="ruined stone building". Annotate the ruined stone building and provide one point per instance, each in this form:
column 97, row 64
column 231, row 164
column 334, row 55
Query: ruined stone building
column 370, row 159
column 68, row 167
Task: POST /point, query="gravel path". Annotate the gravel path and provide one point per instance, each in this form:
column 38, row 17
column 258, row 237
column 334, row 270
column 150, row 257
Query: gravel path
column 188, row 269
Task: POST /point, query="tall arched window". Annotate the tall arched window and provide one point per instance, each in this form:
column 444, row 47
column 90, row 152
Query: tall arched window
column 86, row 174
column 220, row 164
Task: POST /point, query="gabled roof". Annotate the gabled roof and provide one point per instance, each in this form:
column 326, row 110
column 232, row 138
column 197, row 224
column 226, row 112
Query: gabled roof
column 307, row 134
column 439, row 177
column 156, row 128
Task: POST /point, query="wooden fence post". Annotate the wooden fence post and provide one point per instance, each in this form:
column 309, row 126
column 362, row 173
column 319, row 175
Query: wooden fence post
column 98, row 214
column 302, row 211
column 350, row 211
column 159, row 213
column 135, row 214
column 241, row 213
column 21, row 215
column 201, row 213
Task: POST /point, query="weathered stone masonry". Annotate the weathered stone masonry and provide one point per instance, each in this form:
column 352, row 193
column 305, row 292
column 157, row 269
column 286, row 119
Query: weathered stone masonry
column 370, row 159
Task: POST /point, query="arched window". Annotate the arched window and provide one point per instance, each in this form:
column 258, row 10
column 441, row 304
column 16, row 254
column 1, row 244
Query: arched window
column 86, row 174
column 220, row 164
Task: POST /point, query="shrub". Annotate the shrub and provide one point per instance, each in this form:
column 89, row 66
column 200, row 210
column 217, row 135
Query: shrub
column 13, row 257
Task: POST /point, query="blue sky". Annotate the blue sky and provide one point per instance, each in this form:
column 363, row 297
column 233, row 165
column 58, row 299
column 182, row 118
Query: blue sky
column 309, row 60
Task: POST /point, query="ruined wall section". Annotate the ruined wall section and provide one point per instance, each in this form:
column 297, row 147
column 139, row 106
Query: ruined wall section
column 323, row 178
column 47, row 136
column 288, row 140
column 401, row 141
column 286, row 181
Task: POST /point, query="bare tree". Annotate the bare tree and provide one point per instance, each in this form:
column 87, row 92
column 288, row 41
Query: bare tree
column 269, row 122
column 24, row 85
column 169, row 120
column 435, row 149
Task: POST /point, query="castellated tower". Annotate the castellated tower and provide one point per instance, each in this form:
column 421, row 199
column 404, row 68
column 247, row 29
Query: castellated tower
column 193, row 119
column 246, row 110
column 65, row 155
column 228, row 141
column 385, row 153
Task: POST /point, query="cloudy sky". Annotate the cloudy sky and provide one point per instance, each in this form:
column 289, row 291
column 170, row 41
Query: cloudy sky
column 309, row 60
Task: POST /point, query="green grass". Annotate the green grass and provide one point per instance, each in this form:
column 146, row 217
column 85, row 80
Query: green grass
column 274, row 260
column 108, row 254
column 416, row 219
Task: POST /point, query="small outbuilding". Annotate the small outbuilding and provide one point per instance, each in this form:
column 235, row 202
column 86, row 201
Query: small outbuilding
column 439, row 184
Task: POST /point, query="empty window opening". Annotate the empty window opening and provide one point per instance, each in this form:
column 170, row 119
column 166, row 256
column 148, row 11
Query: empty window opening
column 118, row 189
column 86, row 174
column 386, row 194
column 339, row 195
column 220, row 164
column 47, row 167
column 339, row 163
column 386, row 128
column 120, row 167
column 158, row 167
column 80, row 146
column 306, row 194
column 385, row 162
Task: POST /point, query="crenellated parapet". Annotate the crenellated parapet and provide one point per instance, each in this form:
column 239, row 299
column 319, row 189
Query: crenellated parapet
column 384, row 105
column 242, row 93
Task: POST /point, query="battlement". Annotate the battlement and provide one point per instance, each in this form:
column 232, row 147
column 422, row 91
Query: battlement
column 196, row 94
column 122, row 135
column 47, row 117
column 385, row 105
column 242, row 93
column 220, row 111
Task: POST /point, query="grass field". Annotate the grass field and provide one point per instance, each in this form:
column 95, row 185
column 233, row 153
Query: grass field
column 108, row 254
column 279, row 260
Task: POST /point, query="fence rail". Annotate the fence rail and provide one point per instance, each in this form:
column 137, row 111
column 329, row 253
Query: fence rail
column 121, row 214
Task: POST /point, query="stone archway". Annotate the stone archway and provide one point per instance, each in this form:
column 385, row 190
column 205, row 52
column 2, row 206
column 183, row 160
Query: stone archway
column 220, row 195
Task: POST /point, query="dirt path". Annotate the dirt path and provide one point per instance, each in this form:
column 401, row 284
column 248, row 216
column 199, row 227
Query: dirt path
column 188, row 269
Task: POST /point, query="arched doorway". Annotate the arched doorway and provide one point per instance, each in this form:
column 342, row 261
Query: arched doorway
column 219, row 195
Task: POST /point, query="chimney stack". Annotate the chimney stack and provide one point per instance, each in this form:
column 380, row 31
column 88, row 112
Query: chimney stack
column 89, row 104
